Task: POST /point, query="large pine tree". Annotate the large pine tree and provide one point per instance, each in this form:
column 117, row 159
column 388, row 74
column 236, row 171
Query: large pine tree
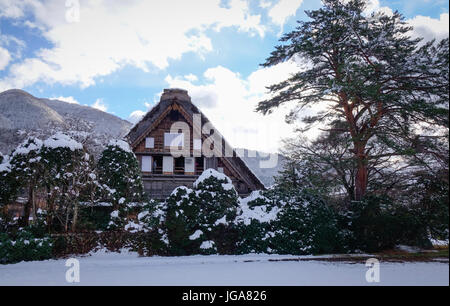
column 379, row 84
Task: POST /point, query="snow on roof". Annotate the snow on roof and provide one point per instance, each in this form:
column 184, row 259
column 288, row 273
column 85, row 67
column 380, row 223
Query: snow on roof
column 213, row 173
column 61, row 140
column 123, row 145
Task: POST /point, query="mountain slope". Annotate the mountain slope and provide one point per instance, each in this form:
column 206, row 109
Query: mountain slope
column 23, row 111
column 22, row 114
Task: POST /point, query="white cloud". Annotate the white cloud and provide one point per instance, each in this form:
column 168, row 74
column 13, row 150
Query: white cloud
column 136, row 116
column 284, row 9
column 69, row 99
column 5, row 57
column 14, row 8
column 111, row 35
column 374, row 6
column 191, row 77
column 229, row 101
column 430, row 28
column 100, row 105
column 265, row 4
column 424, row 26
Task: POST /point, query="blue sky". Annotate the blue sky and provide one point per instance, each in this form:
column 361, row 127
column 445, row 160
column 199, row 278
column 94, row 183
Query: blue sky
column 119, row 55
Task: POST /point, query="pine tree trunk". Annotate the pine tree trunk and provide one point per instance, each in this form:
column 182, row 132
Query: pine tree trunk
column 361, row 183
column 361, row 174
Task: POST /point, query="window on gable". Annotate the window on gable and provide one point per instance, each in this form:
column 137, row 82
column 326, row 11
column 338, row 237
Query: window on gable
column 149, row 143
column 173, row 139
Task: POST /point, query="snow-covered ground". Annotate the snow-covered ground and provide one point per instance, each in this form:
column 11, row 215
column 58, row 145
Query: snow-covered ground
column 104, row 268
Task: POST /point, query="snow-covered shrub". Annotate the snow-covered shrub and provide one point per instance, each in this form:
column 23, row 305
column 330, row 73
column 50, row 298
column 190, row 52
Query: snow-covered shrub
column 287, row 222
column 148, row 218
column 117, row 220
column 8, row 185
column 119, row 174
column 305, row 225
column 141, row 223
column 431, row 200
column 27, row 170
column 58, row 167
column 68, row 178
column 24, row 246
column 254, row 220
column 133, row 217
column 378, row 223
column 149, row 235
column 94, row 217
column 197, row 220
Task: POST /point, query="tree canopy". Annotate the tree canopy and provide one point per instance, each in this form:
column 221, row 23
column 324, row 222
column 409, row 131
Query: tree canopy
column 378, row 85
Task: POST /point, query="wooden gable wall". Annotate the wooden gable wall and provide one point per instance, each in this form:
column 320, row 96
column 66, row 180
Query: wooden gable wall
column 163, row 125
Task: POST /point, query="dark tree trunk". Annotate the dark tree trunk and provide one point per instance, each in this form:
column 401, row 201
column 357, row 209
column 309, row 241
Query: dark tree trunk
column 27, row 208
column 361, row 182
column 361, row 174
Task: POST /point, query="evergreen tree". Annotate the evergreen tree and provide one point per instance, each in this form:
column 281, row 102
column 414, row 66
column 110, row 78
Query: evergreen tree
column 8, row 186
column 27, row 171
column 69, row 178
column 119, row 174
column 378, row 82
column 199, row 220
column 286, row 220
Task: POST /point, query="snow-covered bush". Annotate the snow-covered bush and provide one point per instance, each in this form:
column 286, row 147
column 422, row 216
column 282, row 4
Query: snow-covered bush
column 94, row 217
column 378, row 223
column 59, row 168
column 68, row 176
column 27, row 171
column 198, row 220
column 209, row 218
column 8, row 185
column 149, row 217
column 287, row 222
column 119, row 174
column 148, row 232
column 254, row 220
column 306, row 225
column 117, row 220
column 24, row 246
